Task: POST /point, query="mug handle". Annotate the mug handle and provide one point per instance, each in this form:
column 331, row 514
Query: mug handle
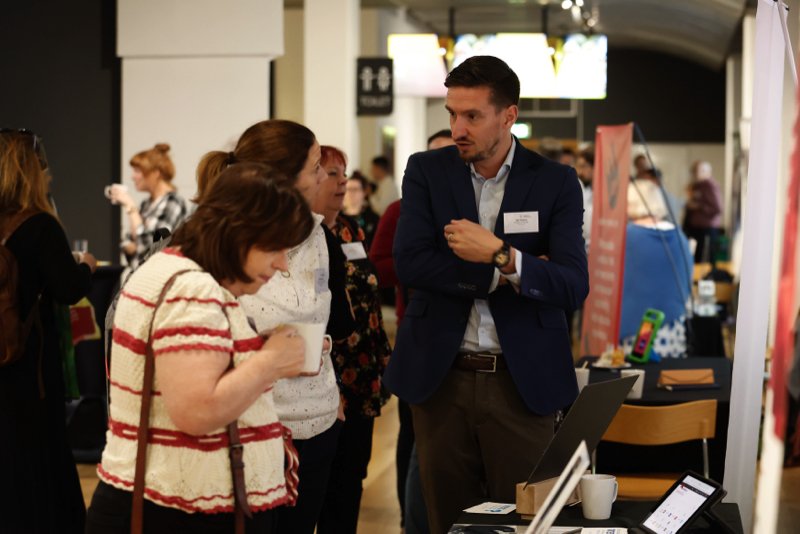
column 616, row 487
column 330, row 345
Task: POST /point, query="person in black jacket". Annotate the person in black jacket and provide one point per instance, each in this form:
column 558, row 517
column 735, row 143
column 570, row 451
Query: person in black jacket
column 39, row 487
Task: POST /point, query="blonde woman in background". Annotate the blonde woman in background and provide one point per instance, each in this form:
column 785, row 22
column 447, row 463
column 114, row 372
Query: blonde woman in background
column 153, row 172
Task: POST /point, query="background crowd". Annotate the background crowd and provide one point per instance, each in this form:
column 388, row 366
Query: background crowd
column 279, row 233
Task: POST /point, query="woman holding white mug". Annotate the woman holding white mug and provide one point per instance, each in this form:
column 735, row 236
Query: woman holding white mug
column 153, row 171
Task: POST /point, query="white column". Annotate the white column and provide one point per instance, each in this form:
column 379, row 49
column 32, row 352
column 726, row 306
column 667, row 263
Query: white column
column 758, row 227
column 331, row 44
column 409, row 117
column 194, row 75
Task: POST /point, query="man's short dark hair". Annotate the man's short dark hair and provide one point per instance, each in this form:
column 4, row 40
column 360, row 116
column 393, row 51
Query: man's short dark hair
column 491, row 72
column 446, row 133
column 382, row 162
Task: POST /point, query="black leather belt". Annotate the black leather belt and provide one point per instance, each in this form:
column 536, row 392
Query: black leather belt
column 481, row 362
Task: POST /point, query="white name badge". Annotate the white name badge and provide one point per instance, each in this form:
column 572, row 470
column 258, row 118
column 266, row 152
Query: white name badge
column 521, row 222
column 354, row 251
column 321, row 280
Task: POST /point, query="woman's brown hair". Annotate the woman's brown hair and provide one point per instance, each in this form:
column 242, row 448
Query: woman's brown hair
column 156, row 158
column 281, row 144
column 250, row 205
column 24, row 182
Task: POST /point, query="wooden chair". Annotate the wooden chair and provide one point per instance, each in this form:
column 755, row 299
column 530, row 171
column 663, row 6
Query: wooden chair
column 660, row 425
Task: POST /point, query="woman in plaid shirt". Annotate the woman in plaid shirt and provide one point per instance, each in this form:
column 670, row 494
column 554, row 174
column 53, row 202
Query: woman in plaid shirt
column 164, row 209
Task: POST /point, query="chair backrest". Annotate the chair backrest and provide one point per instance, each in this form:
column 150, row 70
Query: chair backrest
column 663, row 425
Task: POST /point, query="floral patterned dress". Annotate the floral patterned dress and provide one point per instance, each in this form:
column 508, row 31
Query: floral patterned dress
column 360, row 359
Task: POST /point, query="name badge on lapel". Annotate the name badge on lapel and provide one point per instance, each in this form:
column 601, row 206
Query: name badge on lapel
column 354, row 251
column 521, row 222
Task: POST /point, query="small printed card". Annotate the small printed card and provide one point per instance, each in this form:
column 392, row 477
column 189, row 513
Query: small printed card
column 497, row 508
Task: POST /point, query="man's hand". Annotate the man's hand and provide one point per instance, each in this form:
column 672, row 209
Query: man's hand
column 471, row 241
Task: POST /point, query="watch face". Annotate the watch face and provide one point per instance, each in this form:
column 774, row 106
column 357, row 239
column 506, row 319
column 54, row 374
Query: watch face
column 501, row 258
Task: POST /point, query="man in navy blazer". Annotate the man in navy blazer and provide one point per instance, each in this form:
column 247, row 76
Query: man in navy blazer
column 489, row 244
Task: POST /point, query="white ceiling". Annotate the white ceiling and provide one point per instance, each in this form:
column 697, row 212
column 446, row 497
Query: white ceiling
column 697, row 30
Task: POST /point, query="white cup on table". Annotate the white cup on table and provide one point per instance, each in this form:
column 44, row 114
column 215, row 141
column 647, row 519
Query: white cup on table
column 314, row 335
column 638, row 386
column 598, row 493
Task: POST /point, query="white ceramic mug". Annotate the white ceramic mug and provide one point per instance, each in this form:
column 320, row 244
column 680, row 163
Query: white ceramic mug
column 109, row 188
column 638, row 386
column 598, row 493
column 582, row 374
column 313, row 334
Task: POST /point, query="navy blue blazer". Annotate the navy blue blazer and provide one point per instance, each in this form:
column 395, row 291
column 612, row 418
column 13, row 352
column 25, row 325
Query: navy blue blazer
column 531, row 325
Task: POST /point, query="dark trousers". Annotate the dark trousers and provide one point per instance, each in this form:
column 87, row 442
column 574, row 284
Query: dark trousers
column 110, row 513
column 343, row 500
column 705, row 237
column 316, row 457
column 476, row 440
column 405, row 443
column 416, row 514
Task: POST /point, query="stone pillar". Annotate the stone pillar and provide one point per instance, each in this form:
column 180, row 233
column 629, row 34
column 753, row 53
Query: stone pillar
column 331, row 44
column 194, row 75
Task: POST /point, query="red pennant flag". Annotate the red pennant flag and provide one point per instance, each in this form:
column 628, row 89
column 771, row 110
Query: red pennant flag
column 787, row 310
column 601, row 311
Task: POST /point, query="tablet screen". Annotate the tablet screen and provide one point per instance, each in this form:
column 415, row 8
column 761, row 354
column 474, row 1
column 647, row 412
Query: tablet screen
column 679, row 506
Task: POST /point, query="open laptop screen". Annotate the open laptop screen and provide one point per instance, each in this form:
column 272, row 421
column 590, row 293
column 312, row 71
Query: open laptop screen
column 587, row 420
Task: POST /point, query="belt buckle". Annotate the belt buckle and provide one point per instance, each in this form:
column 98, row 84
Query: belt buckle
column 494, row 364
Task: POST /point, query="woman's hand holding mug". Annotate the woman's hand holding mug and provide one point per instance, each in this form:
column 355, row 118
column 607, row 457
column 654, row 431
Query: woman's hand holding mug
column 118, row 194
column 285, row 352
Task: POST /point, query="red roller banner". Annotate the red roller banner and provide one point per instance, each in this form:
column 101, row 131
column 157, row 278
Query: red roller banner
column 787, row 309
column 601, row 311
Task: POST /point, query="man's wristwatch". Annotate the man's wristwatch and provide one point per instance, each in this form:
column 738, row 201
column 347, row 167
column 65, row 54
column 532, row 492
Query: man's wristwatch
column 502, row 256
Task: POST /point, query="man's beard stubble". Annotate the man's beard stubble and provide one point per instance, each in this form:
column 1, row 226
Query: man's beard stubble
column 482, row 155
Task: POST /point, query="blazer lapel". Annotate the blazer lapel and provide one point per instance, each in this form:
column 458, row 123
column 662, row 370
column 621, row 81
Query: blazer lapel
column 461, row 186
column 519, row 182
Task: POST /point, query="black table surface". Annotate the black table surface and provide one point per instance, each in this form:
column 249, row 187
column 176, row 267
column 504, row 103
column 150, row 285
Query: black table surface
column 652, row 395
column 626, row 514
column 620, row 458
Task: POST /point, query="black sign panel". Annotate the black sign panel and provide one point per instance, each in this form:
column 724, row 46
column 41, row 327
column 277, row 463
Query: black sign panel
column 375, row 86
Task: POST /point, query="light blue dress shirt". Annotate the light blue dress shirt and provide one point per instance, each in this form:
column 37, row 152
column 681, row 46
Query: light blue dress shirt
column 481, row 334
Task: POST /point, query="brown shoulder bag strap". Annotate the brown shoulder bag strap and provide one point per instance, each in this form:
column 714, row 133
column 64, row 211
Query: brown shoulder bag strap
column 144, row 415
column 236, row 457
column 236, row 454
